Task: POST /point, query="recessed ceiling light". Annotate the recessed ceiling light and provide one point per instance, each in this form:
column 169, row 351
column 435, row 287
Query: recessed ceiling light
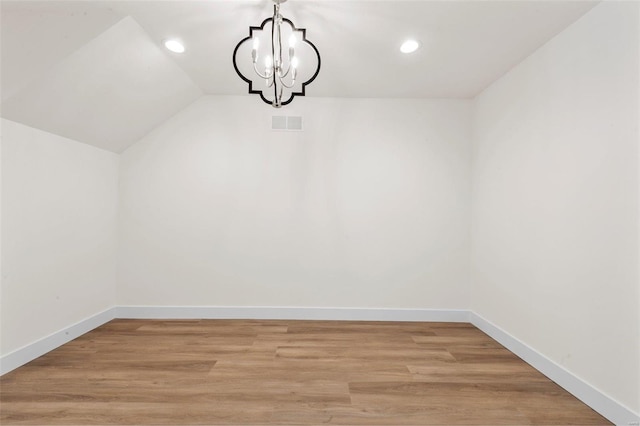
column 174, row 45
column 409, row 46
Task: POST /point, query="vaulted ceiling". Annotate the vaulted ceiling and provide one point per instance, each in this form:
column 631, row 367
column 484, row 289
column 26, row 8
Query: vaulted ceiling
column 96, row 71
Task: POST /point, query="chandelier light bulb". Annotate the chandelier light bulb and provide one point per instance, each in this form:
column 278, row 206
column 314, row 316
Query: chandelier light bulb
column 268, row 62
column 254, row 51
column 294, row 62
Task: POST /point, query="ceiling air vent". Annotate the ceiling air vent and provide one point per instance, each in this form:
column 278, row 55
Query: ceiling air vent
column 286, row 123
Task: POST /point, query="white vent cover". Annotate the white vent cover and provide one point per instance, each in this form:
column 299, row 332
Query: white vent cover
column 291, row 123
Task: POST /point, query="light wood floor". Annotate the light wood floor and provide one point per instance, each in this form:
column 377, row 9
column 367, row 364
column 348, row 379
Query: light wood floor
column 285, row 372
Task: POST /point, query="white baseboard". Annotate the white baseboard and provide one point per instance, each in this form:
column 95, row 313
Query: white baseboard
column 591, row 396
column 607, row 407
column 292, row 313
column 27, row 353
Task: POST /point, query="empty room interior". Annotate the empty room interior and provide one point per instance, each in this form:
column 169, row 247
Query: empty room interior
column 372, row 212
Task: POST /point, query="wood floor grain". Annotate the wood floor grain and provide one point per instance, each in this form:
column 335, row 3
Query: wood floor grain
column 284, row 372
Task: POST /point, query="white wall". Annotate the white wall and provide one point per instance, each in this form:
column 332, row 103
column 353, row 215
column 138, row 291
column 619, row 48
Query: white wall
column 59, row 201
column 555, row 201
column 367, row 207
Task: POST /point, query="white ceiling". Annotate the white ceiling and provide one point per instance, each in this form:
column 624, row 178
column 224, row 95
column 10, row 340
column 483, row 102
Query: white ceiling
column 96, row 71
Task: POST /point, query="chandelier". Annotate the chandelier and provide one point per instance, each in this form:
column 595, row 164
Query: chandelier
column 282, row 59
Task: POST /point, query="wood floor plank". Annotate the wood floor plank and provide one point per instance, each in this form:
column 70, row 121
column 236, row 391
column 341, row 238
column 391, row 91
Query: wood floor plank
column 226, row 372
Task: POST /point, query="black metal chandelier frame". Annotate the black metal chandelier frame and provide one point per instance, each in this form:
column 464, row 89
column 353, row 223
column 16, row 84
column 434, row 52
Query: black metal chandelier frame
column 276, row 79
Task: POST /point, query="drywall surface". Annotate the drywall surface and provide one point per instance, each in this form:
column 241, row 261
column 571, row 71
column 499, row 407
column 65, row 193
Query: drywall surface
column 555, row 201
column 367, row 207
column 59, row 203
